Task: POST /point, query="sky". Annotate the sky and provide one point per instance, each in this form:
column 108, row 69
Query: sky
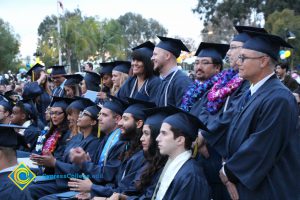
column 24, row 16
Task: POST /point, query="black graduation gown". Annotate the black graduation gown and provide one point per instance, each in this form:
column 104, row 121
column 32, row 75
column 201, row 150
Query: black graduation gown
column 188, row 183
column 126, row 178
column 176, row 90
column 213, row 163
column 107, row 173
column 147, row 193
column 9, row 191
column 263, row 145
column 64, row 167
column 149, row 88
column 31, row 134
column 88, row 144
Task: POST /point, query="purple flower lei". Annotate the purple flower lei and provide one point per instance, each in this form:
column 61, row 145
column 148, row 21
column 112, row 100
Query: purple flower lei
column 196, row 91
column 225, row 86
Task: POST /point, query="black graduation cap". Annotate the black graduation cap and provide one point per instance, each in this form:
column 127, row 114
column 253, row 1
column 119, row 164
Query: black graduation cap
column 243, row 36
column 80, row 103
column 122, row 66
column 107, row 68
column 156, row 116
column 73, row 79
column 31, row 91
column 35, row 69
column 213, row 50
column 115, row 104
column 92, row 80
column 8, row 95
column 175, row 46
column 29, row 107
column 4, row 81
column 58, row 70
column 265, row 43
column 62, row 102
column 145, row 49
column 6, row 104
column 136, row 107
column 94, row 110
column 9, row 137
column 186, row 122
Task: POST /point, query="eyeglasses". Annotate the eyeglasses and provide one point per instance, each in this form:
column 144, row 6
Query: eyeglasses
column 84, row 113
column 234, row 47
column 56, row 113
column 243, row 58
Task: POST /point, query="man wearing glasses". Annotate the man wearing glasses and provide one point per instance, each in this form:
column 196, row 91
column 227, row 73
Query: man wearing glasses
column 58, row 80
column 262, row 144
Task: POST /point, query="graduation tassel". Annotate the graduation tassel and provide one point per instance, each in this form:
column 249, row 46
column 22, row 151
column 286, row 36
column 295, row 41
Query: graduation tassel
column 99, row 131
column 32, row 76
column 195, row 151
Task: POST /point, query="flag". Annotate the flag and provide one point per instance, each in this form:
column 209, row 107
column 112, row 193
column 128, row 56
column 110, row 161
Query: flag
column 60, row 5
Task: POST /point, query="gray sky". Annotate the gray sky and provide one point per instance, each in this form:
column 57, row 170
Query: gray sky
column 25, row 15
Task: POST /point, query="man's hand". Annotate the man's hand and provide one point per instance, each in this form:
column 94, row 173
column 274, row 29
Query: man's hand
column 202, row 149
column 78, row 156
column 80, row 185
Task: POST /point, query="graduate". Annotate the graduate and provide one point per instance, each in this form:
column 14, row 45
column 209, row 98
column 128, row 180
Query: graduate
column 9, row 142
column 5, row 111
column 120, row 74
column 39, row 89
column 58, row 80
column 262, row 143
column 86, row 139
column 103, row 166
column 174, row 81
column 106, row 80
column 143, row 80
column 182, row 177
column 24, row 114
column 209, row 64
column 132, row 157
column 71, row 86
column 147, row 177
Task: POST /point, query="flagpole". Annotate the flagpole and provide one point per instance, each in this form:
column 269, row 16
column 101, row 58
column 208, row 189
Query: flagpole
column 58, row 30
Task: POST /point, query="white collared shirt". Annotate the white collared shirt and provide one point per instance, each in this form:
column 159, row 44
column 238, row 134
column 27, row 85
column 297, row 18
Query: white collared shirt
column 26, row 124
column 254, row 88
column 169, row 72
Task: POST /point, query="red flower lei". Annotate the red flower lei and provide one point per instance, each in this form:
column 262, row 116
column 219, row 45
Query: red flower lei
column 51, row 143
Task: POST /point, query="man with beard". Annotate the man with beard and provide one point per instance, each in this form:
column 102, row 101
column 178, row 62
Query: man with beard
column 174, row 81
column 131, row 157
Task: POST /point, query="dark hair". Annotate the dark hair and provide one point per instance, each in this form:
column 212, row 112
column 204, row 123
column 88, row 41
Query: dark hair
column 284, row 65
column 177, row 133
column 133, row 143
column 156, row 161
column 64, row 125
column 90, row 65
column 29, row 116
column 76, row 89
column 148, row 64
column 218, row 62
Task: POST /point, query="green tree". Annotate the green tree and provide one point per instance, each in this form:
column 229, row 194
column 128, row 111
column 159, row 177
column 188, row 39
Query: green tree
column 110, row 42
column 279, row 5
column 9, row 48
column 279, row 22
column 137, row 29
